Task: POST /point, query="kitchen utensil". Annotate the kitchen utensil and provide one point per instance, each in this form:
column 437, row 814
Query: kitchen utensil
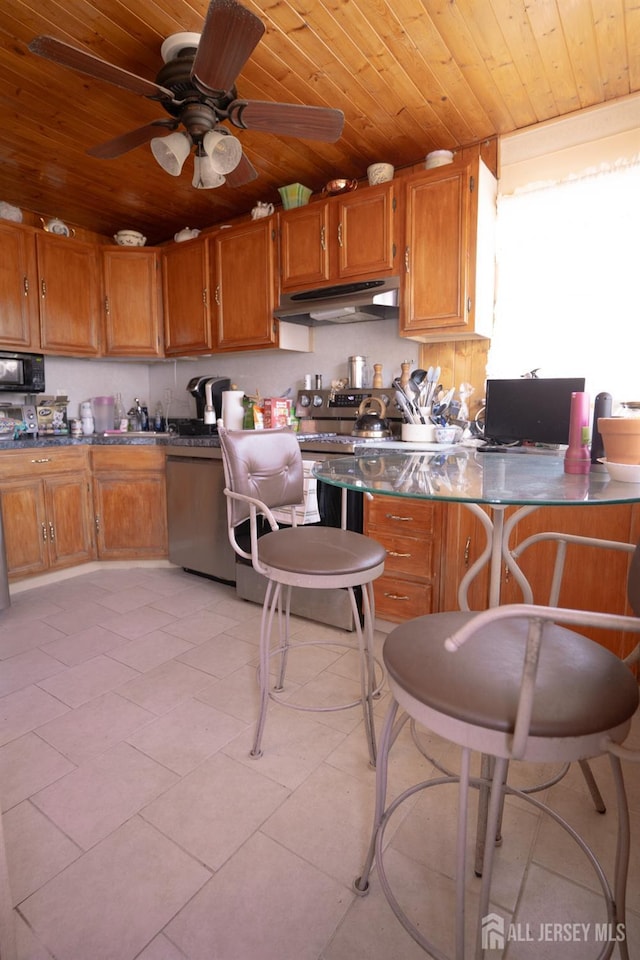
column 401, row 400
column 371, row 424
column 262, row 209
column 357, row 371
column 187, row 233
column 340, row 186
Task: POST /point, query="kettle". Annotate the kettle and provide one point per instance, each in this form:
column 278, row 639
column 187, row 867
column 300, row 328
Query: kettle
column 372, row 425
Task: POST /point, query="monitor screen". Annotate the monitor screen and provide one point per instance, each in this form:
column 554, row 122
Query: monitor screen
column 535, row 410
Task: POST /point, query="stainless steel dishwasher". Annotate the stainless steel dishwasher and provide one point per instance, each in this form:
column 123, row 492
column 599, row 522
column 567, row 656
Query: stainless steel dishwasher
column 197, row 512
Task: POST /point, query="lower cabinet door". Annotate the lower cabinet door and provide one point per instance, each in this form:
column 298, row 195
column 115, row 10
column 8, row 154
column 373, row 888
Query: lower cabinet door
column 131, row 516
column 25, row 527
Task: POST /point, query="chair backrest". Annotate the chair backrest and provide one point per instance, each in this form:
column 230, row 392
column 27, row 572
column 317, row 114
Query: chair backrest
column 263, row 464
column 633, row 582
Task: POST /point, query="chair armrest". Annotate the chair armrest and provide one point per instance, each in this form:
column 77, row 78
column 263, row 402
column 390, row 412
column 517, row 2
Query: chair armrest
column 561, row 540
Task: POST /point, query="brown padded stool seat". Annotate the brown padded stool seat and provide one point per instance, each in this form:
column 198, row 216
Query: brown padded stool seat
column 480, row 685
column 318, row 551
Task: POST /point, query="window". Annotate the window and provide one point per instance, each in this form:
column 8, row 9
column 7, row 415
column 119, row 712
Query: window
column 568, row 277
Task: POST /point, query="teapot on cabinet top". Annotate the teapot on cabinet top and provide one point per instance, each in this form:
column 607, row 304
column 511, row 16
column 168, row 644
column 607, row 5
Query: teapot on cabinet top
column 54, row 225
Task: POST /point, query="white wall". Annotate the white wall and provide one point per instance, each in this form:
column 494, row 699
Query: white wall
column 271, row 372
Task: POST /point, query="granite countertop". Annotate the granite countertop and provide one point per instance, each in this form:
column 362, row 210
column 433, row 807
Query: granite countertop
column 121, row 439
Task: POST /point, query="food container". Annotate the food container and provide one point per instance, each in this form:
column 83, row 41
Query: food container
column 103, row 412
column 129, row 238
column 446, row 434
column 419, row 432
column 438, row 158
column 340, row 186
column 379, row 173
column 620, row 438
column 294, row 195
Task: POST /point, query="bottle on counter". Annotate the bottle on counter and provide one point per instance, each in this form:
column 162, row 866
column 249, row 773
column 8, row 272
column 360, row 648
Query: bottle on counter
column 577, row 458
column 158, row 418
column 120, row 421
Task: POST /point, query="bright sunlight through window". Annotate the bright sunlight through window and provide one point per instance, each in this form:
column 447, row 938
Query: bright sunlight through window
column 568, row 291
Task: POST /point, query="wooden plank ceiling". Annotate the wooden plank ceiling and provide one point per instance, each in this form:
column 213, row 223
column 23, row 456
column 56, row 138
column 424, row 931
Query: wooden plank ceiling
column 410, row 75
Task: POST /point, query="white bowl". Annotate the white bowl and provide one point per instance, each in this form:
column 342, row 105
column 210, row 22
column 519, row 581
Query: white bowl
column 419, row 432
column 438, row 158
column 626, row 472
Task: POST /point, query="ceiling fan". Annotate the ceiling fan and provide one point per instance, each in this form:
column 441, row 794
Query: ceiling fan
column 196, row 87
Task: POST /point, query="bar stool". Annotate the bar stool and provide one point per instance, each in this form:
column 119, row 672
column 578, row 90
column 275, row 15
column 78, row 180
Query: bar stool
column 521, row 687
column 264, row 471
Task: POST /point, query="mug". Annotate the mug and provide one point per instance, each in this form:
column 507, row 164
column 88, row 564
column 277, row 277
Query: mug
column 379, row 173
column 262, row 210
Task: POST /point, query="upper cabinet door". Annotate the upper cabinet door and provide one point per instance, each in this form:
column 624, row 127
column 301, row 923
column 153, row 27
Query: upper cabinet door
column 349, row 237
column 304, row 246
column 449, row 255
column 19, row 326
column 69, row 290
column 365, row 232
column 187, row 313
column 132, row 308
column 245, row 285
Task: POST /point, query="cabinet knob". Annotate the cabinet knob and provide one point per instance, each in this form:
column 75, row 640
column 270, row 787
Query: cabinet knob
column 43, row 288
column 406, row 260
column 339, row 234
column 217, row 294
column 323, row 238
column 52, row 533
column 44, row 532
column 394, row 553
column 41, row 460
column 396, row 596
column 25, row 285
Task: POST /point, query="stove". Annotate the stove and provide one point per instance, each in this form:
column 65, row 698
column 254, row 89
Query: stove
column 327, row 418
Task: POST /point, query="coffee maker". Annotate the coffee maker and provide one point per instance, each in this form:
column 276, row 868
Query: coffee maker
column 197, row 387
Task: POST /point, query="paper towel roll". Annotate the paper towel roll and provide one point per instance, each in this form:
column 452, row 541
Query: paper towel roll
column 232, row 409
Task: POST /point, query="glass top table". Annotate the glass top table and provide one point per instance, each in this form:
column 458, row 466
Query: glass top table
column 466, row 475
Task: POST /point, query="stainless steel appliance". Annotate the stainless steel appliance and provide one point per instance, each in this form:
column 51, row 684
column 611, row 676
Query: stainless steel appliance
column 197, row 513
column 352, row 302
column 328, row 417
column 21, row 372
column 18, row 419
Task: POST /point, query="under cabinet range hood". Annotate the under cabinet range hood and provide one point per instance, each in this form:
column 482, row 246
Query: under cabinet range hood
column 352, row 302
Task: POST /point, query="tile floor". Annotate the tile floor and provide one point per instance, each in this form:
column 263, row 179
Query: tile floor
column 137, row 826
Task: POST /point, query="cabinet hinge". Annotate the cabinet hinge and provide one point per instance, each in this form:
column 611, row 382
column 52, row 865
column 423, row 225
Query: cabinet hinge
column 394, row 204
column 393, row 247
column 468, row 304
column 472, row 184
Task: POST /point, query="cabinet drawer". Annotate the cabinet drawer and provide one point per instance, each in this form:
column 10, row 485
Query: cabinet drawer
column 406, row 555
column 398, row 600
column 123, row 458
column 41, row 461
column 401, row 515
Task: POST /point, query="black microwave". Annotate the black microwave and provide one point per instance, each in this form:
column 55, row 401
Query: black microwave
column 21, row 372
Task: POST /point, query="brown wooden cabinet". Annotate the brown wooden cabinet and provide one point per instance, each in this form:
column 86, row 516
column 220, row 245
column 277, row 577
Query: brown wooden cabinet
column 187, row 298
column 449, row 253
column 129, row 492
column 243, row 264
column 69, row 295
column 132, row 302
column 341, row 238
column 411, row 533
column 46, row 509
column 19, row 320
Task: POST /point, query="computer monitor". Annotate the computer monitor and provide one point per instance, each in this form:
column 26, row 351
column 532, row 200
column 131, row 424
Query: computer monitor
column 530, row 410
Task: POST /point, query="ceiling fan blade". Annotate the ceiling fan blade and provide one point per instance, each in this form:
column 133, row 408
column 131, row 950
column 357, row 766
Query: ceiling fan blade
column 245, row 172
column 287, row 119
column 229, row 36
column 68, row 56
column 128, row 141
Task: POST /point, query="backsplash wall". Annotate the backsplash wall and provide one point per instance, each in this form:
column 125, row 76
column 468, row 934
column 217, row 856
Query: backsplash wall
column 271, row 372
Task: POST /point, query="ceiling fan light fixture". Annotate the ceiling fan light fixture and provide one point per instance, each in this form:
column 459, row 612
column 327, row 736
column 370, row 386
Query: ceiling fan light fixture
column 205, row 176
column 223, row 150
column 171, row 152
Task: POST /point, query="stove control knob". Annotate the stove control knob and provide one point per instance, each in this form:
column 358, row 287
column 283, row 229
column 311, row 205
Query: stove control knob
column 304, row 400
column 317, row 401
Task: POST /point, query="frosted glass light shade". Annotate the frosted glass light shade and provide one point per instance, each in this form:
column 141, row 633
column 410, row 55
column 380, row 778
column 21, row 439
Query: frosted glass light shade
column 171, row 152
column 205, row 176
column 224, row 151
